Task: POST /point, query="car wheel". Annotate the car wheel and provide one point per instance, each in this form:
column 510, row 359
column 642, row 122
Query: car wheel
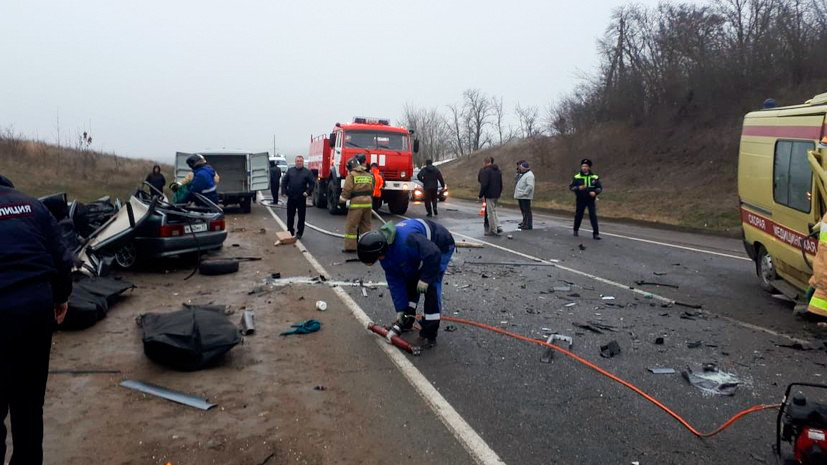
column 127, row 256
column 217, row 267
column 765, row 269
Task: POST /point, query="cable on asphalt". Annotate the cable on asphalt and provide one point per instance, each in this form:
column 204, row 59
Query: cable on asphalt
column 617, row 379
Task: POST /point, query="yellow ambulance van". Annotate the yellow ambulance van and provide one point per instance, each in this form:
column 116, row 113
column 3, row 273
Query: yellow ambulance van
column 780, row 198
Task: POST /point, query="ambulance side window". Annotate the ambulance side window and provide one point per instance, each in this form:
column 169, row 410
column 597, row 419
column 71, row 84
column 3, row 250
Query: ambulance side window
column 792, row 176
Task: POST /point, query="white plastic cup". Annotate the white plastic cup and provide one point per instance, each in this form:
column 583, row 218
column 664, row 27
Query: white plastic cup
column 321, row 305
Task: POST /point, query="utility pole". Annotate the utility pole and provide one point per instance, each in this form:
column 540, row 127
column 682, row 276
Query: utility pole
column 274, row 145
column 58, row 134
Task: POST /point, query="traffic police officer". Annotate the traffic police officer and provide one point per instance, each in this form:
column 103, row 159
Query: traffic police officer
column 358, row 190
column 35, row 284
column 586, row 187
column 414, row 254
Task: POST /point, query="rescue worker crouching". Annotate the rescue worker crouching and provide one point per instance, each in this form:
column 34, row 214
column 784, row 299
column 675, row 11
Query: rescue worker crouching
column 35, row 285
column 414, row 255
column 378, row 184
column 358, row 190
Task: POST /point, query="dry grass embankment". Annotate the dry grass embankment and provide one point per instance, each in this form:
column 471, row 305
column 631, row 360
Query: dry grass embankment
column 38, row 169
column 681, row 176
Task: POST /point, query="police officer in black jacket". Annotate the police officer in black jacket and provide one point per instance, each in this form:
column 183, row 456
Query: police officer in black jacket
column 35, row 284
column 275, row 179
column 298, row 184
column 431, row 180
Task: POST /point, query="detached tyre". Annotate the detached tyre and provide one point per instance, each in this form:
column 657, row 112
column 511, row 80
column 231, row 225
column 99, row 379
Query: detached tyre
column 217, row 267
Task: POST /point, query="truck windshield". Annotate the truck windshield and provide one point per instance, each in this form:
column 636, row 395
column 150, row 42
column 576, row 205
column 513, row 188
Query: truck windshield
column 376, row 140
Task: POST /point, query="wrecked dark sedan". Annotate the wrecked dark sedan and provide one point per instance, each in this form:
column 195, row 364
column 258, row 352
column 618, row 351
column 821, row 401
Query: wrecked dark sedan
column 145, row 228
column 162, row 229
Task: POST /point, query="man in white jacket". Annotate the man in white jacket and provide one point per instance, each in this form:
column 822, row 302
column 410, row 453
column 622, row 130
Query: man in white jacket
column 524, row 192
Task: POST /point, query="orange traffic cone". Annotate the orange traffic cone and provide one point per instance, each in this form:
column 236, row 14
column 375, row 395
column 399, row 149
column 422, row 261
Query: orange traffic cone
column 482, row 209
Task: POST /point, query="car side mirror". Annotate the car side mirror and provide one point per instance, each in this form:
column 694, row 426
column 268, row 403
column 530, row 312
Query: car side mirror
column 332, row 139
column 416, row 146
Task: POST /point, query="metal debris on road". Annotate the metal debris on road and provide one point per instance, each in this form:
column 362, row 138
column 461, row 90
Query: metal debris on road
column 320, row 388
column 610, row 350
column 581, row 247
column 652, row 283
column 548, row 354
column 607, row 297
column 468, row 245
column 684, row 304
column 570, row 304
column 248, row 324
column 450, row 328
column 561, row 288
column 168, row 394
column 364, row 292
column 662, row 371
column 713, row 382
column 693, row 345
column 658, row 341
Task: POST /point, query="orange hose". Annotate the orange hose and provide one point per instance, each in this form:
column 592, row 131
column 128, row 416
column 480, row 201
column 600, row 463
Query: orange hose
column 757, row 408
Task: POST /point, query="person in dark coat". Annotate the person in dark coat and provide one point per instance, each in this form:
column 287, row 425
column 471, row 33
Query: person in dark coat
column 586, row 187
column 275, row 180
column 297, row 186
column 35, row 285
column 156, row 179
column 432, row 181
column 491, row 187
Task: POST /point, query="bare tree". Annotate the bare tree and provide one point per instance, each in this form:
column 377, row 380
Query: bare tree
column 478, row 110
column 431, row 129
column 528, row 117
column 457, row 130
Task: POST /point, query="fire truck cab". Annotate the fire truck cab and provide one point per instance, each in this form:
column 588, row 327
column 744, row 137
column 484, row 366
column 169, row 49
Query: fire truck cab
column 390, row 147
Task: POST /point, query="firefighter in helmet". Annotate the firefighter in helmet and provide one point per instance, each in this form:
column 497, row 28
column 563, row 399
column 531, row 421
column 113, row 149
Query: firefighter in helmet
column 358, row 191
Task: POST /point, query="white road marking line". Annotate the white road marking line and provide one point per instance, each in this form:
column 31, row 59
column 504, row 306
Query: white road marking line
column 625, row 287
column 649, row 241
column 480, row 451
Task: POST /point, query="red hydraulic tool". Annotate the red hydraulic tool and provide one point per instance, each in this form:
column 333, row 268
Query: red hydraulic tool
column 395, row 340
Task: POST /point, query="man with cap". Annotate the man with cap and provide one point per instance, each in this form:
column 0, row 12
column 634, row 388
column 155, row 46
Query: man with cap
column 586, row 187
column 35, row 285
column 523, row 193
column 414, row 255
column 358, row 190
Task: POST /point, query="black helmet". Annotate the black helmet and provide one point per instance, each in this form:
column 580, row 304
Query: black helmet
column 196, row 160
column 361, row 158
column 372, row 245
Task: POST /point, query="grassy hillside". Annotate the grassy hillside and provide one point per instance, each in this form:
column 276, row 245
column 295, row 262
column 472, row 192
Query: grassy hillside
column 39, row 169
column 678, row 175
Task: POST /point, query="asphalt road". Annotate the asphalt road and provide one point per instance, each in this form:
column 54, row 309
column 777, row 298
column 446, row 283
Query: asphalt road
column 533, row 412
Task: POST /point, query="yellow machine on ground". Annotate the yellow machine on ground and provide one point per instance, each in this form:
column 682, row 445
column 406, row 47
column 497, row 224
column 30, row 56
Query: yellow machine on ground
column 781, row 187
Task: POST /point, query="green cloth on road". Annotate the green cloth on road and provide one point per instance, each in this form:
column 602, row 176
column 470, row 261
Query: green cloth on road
column 305, row 327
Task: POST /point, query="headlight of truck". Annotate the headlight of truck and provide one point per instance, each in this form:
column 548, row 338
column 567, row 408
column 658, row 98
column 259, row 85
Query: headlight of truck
column 404, row 186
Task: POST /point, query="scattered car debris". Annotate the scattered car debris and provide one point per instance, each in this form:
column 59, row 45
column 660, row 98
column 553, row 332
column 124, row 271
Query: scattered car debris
column 693, row 345
column 364, row 292
column 581, row 247
column 610, row 350
column 548, row 354
column 168, row 394
column 248, row 324
column 607, row 297
column 659, row 341
column 798, row 346
column 321, row 305
column 690, row 315
column 713, row 382
column 450, row 328
column 84, row 372
column 468, row 245
column 652, row 283
column 303, row 327
column 658, row 273
column 215, row 267
column 570, row 304
column 320, row 388
column 662, row 371
column 561, row 288
column 509, row 236
column 188, row 339
column 684, row 304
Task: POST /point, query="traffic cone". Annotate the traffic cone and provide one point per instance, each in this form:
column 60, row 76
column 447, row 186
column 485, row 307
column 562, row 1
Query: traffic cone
column 482, row 209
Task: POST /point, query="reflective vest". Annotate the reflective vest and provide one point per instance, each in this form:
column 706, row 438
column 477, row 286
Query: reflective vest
column 378, row 182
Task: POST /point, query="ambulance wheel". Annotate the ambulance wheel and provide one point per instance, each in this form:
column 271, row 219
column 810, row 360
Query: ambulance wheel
column 765, row 268
column 127, row 256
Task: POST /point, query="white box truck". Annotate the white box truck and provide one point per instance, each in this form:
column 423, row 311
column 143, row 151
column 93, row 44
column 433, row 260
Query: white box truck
column 242, row 174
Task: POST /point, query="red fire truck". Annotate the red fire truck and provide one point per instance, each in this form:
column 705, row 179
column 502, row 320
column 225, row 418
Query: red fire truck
column 390, row 147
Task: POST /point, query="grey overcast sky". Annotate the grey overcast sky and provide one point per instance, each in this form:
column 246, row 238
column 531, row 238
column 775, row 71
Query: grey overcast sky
column 155, row 77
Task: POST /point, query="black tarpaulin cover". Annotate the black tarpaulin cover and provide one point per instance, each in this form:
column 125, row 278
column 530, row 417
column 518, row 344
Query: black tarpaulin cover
column 91, row 299
column 188, row 339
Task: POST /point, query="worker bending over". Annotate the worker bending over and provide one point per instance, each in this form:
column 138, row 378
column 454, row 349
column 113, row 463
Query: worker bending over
column 414, row 254
column 358, row 190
